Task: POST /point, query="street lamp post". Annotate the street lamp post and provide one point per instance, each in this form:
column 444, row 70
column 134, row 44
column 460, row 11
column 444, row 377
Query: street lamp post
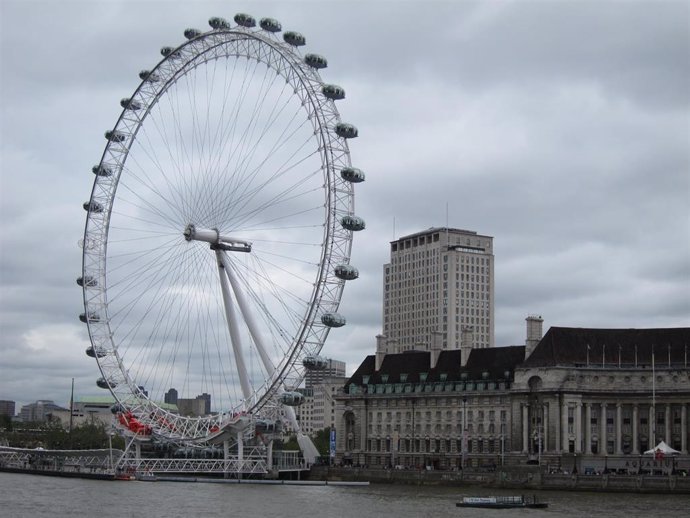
column 110, row 447
column 464, row 430
column 503, row 449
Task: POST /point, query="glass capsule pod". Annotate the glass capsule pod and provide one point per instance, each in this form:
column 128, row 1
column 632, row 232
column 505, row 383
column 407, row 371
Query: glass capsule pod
column 267, row 426
column 148, row 76
column 130, row 104
column 333, row 92
column 245, row 20
column 218, row 23
column 315, row 61
column 115, row 136
column 353, row 223
column 93, row 352
column 294, row 38
column 190, row 34
column 117, row 408
column 104, row 383
column 346, row 272
column 270, row 25
column 315, row 363
column 333, row 320
column 87, row 281
column 292, row 398
column 92, row 317
column 102, row 170
column 352, row 174
column 93, row 206
column 345, row 130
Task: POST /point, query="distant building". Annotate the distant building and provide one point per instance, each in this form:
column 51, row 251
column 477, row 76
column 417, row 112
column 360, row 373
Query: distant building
column 7, row 407
column 191, row 407
column 206, row 398
column 40, row 411
column 314, row 377
column 171, row 397
column 439, row 286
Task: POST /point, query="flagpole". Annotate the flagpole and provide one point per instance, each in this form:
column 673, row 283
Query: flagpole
column 653, row 399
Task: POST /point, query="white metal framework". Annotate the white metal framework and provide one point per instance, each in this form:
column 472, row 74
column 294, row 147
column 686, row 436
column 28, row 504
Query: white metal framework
column 218, row 230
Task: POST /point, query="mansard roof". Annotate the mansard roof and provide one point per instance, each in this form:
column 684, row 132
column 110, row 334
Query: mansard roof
column 574, row 346
column 496, row 361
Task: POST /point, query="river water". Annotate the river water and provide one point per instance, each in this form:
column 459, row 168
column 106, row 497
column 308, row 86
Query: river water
column 41, row 496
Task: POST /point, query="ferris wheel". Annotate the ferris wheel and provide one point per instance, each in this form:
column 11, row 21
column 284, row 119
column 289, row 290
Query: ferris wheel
column 218, row 231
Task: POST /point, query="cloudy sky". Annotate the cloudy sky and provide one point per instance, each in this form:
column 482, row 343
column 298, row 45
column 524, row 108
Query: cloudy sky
column 560, row 128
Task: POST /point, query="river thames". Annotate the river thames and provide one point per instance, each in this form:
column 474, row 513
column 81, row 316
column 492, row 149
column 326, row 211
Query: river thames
column 41, row 496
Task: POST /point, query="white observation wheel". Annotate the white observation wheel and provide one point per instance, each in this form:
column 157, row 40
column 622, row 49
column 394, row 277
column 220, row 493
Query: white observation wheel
column 219, row 229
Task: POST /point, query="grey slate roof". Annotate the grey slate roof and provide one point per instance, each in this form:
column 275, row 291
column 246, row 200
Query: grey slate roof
column 568, row 346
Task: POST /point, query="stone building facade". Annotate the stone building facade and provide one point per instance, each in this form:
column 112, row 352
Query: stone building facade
column 582, row 399
column 603, row 393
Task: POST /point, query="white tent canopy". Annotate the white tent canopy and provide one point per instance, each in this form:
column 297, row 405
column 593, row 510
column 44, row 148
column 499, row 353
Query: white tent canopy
column 663, row 447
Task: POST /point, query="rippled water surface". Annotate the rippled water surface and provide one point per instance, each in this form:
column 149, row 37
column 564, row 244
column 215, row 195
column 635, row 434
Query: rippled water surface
column 38, row 496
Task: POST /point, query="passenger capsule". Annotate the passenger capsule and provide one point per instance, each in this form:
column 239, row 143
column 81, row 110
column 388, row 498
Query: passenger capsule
column 190, row 34
column 345, row 130
column 102, row 170
column 353, row 223
column 315, row 363
column 333, row 320
column 148, row 76
column 294, row 38
column 245, row 20
column 218, row 23
column 346, row 272
column 88, row 281
column 96, row 352
column 130, row 104
column 315, row 61
column 115, row 136
column 270, row 25
column 170, row 52
column 267, row 426
column 352, row 174
column 104, row 383
column 333, row 92
column 117, row 408
column 292, row 398
column 93, row 206
column 93, row 317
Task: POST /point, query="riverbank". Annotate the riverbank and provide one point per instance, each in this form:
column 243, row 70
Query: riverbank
column 519, row 477
column 59, row 473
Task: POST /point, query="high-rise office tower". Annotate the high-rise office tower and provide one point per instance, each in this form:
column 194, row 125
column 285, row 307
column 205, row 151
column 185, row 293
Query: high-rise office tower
column 314, row 377
column 438, row 291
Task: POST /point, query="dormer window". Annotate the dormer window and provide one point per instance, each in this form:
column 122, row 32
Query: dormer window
column 365, row 380
column 384, row 378
column 423, row 376
column 443, row 376
column 403, row 377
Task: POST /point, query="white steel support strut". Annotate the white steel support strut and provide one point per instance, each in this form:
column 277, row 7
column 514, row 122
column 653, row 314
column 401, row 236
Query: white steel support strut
column 248, row 317
column 233, row 328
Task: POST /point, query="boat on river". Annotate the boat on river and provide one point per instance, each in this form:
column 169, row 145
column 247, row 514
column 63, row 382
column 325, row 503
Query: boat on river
column 502, row 502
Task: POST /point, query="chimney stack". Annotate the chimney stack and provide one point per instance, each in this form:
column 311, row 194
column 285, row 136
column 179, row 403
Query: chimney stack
column 466, row 341
column 381, row 350
column 534, row 333
column 436, row 347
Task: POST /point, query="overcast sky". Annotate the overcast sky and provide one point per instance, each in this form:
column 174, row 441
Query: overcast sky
column 560, row 128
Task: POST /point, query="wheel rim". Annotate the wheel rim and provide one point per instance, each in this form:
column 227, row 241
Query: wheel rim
column 257, row 158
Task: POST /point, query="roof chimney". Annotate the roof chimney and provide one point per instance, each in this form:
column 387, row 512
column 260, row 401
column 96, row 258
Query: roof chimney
column 534, row 333
column 466, row 341
column 436, row 347
column 381, row 350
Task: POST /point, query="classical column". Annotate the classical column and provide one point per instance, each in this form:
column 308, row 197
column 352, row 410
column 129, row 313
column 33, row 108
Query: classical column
column 545, row 425
column 525, row 427
column 588, row 428
column 635, row 419
column 684, row 429
column 602, row 434
column 578, row 427
column 564, row 425
column 619, row 420
column 557, row 422
column 667, row 424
